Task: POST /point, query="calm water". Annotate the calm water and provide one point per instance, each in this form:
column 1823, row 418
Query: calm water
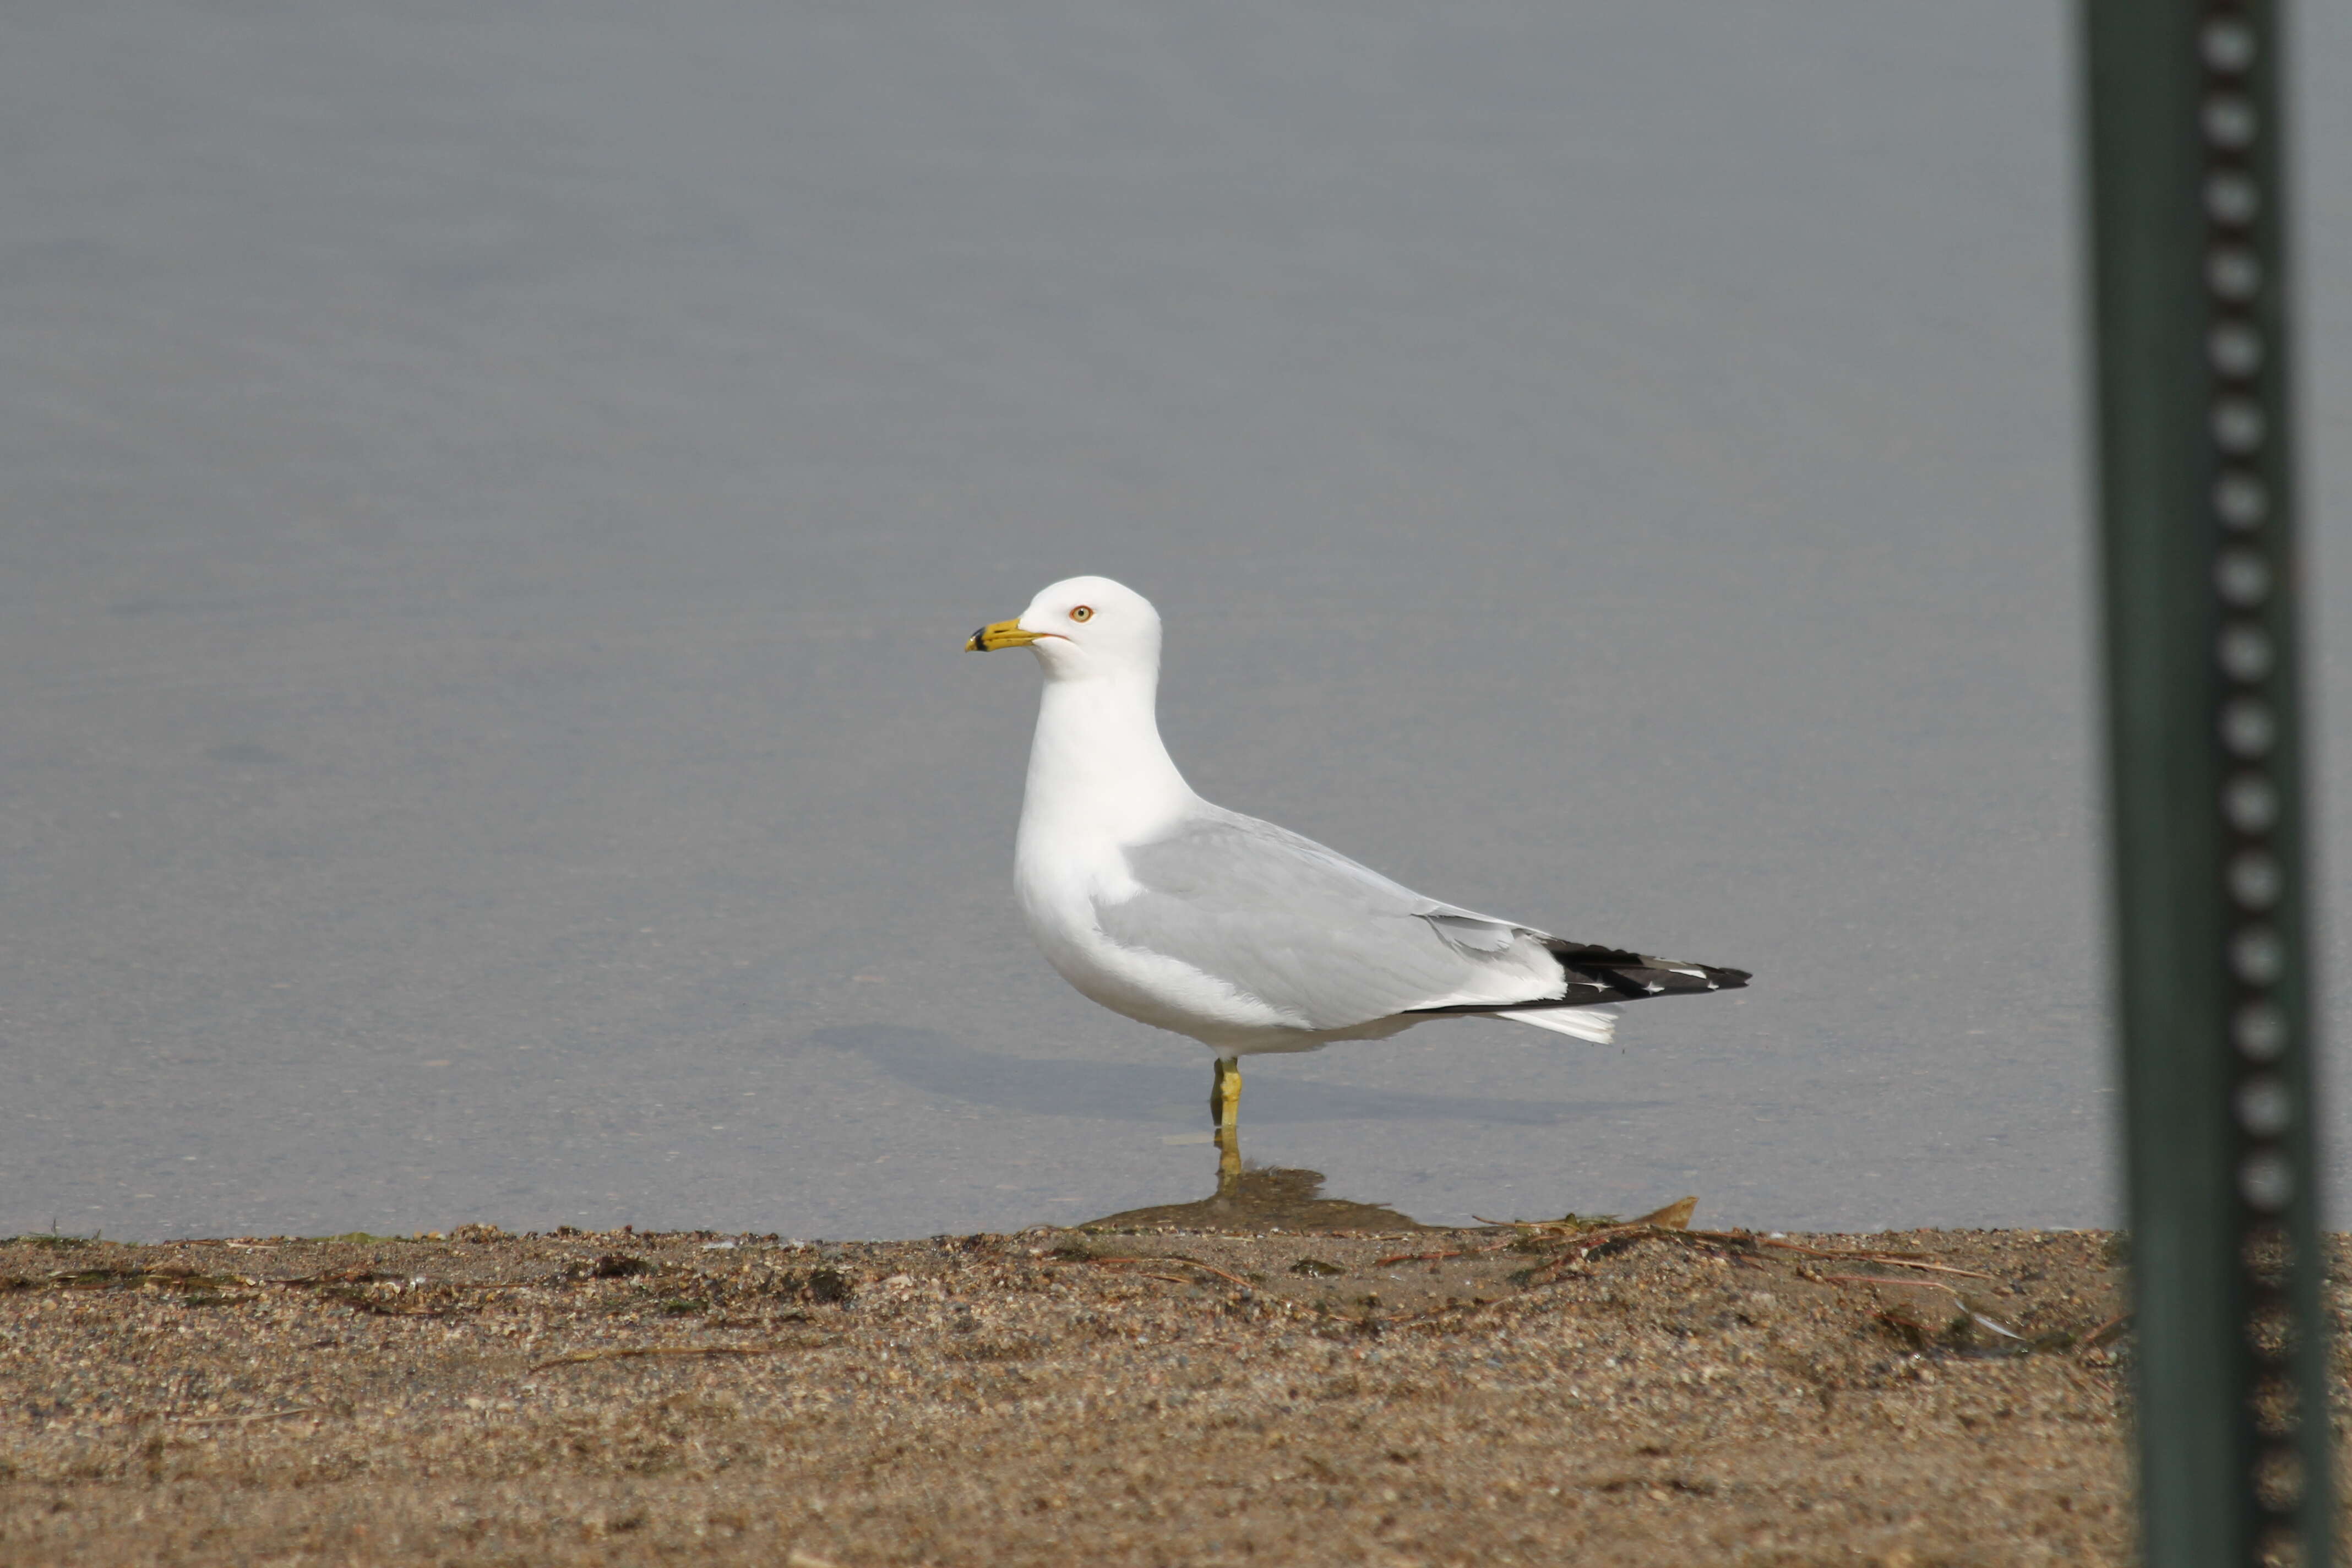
column 490, row 500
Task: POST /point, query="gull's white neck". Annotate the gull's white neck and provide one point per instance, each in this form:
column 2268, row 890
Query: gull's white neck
column 1097, row 769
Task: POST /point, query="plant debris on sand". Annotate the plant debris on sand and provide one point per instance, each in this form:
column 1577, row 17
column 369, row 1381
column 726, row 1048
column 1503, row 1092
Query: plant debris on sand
column 1595, row 1392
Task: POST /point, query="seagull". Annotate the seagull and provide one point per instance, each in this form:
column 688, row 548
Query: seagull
column 1243, row 935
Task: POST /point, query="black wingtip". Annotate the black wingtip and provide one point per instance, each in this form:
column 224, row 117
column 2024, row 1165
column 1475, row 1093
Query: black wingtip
column 1602, row 974
column 1632, row 976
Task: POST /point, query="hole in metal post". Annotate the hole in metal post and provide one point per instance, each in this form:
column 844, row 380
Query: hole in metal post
column 2281, row 1546
column 2269, row 1326
column 2226, row 44
column 2263, row 1106
column 2239, row 425
column 2263, row 1250
column 2233, row 273
column 2250, row 803
column 2267, row 1183
column 2247, row 727
column 2244, row 650
column 2260, row 1030
column 2242, row 501
column 2235, row 350
column 2255, row 881
column 2231, row 197
column 2242, row 578
column 2278, row 1480
column 2258, row 956
column 2274, row 1404
column 2229, row 120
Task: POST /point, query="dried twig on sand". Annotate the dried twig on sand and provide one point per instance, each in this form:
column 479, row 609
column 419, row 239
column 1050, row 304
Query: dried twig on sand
column 1503, row 1246
column 1897, row 1259
column 2115, row 1328
column 1167, row 1258
column 1578, row 1238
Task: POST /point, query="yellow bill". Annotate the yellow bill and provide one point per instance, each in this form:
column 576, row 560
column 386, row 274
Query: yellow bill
column 1003, row 634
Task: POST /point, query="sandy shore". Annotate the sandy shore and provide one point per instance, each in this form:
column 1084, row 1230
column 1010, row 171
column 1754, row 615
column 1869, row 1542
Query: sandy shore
column 1134, row 1394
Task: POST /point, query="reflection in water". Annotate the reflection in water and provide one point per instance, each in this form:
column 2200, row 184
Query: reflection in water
column 1265, row 1198
column 1270, row 1199
column 940, row 1063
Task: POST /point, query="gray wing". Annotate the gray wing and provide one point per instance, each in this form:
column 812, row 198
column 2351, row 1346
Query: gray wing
column 1309, row 931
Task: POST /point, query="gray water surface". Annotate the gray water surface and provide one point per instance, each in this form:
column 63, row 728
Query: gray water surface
column 490, row 498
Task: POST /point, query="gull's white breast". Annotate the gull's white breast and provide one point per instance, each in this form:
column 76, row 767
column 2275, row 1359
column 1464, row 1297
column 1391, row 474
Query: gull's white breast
column 1062, row 878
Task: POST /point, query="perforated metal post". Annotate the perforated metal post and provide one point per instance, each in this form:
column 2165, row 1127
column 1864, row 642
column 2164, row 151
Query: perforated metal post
column 2196, row 512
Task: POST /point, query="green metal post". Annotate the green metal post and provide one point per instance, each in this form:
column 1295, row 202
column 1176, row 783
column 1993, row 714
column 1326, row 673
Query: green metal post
column 2195, row 515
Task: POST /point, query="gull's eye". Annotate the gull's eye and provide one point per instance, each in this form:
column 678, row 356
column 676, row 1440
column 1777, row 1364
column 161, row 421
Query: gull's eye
column 1083, row 612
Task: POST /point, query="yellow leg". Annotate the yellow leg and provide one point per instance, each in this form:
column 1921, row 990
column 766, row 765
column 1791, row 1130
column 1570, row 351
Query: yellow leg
column 1229, row 1159
column 1225, row 1093
column 1225, row 1105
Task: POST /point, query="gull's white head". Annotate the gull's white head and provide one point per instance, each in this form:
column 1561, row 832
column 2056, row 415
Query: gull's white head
column 1081, row 628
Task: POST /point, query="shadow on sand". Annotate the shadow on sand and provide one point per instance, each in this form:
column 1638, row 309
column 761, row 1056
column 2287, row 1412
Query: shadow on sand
column 1273, row 1198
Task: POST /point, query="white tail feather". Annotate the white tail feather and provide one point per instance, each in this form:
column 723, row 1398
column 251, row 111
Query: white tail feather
column 1598, row 1024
